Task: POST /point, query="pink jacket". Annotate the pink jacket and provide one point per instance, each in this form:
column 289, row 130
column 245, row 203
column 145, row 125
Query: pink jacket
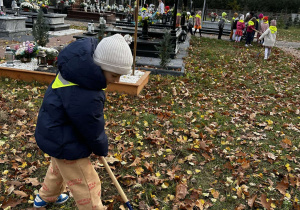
column 197, row 21
column 264, row 27
column 240, row 25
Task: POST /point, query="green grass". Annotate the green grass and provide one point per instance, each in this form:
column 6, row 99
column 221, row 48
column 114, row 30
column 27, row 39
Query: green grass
column 291, row 35
column 232, row 124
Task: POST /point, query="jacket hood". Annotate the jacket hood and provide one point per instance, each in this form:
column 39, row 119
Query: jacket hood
column 75, row 63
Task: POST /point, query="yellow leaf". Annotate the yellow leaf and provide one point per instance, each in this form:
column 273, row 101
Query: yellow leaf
column 157, row 174
column 29, row 155
column 270, row 122
column 146, row 123
column 287, row 195
column 24, row 164
column 139, row 170
column 168, row 150
column 171, row 197
column 189, row 172
column 118, row 138
column 197, row 171
column 31, row 197
column 273, row 205
column 165, row 185
column 5, row 172
column 46, row 155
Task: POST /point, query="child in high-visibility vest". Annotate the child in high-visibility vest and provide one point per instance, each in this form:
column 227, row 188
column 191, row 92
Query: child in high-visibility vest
column 191, row 22
column 269, row 37
column 240, row 26
column 70, row 125
column 178, row 19
column 198, row 23
column 250, row 30
column 221, row 24
column 233, row 26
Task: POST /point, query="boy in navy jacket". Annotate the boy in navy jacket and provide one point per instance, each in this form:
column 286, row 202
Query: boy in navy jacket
column 70, row 124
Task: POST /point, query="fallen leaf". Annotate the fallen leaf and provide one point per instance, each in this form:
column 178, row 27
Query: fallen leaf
column 181, row 191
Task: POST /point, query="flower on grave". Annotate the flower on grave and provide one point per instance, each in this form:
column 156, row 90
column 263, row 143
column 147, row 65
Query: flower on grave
column 128, row 39
column 2, row 13
column 27, row 50
column 83, row 4
column 50, row 52
column 158, row 16
column 43, row 6
column 212, row 14
column 26, row 4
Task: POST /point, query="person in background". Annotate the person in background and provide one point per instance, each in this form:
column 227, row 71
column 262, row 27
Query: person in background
column 240, row 26
column 233, row 22
column 71, row 125
column 161, row 7
column 234, row 28
column 167, row 9
column 264, row 26
column 269, row 37
column 221, row 24
column 250, row 30
column 191, row 22
column 178, row 18
column 260, row 20
column 145, row 8
column 198, row 23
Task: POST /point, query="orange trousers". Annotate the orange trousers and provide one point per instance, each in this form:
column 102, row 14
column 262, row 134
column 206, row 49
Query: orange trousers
column 80, row 177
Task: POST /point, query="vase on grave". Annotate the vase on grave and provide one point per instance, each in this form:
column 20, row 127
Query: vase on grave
column 145, row 30
column 85, row 9
column 45, row 10
column 25, row 59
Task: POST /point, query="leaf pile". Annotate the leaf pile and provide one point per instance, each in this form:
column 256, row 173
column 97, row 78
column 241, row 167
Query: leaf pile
column 225, row 136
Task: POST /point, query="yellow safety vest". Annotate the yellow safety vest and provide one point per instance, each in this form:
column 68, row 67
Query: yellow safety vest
column 144, row 9
column 61, row 82
column 178, row 14
column 251, row 23
column 198, row 16
column 273, row 29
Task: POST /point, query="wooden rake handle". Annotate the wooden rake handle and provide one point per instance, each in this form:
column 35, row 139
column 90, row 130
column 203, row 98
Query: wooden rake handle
column 115, row 181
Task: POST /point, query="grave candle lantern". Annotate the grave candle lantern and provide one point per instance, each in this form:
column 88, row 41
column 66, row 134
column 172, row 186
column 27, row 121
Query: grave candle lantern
column 42, row 61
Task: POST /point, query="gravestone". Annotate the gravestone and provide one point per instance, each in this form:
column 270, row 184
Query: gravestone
column 11, row 26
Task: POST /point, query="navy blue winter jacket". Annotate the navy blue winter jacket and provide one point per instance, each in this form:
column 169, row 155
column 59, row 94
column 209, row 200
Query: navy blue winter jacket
column 70, row 124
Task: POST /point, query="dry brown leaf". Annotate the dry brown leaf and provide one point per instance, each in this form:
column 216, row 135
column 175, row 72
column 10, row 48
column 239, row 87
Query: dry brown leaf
column 266, row 204
column 20, row 193
column 33, row 181
column 252, row 200
column 136, row 162
column 282, row 186
column 181, row 191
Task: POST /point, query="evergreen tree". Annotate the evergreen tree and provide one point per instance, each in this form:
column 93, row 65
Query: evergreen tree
column 165, row 49
column 40, row 30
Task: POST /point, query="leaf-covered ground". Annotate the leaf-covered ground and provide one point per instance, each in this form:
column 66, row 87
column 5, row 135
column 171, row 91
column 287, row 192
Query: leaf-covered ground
column 225, row 136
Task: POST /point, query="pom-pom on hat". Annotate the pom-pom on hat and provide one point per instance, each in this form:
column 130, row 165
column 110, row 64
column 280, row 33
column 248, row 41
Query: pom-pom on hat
column 273, row 23
column 266, row 18
column 260, row 16
column 113, row 54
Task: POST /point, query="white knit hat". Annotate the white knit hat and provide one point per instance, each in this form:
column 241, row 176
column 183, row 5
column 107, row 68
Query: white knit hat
column 113, row 54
